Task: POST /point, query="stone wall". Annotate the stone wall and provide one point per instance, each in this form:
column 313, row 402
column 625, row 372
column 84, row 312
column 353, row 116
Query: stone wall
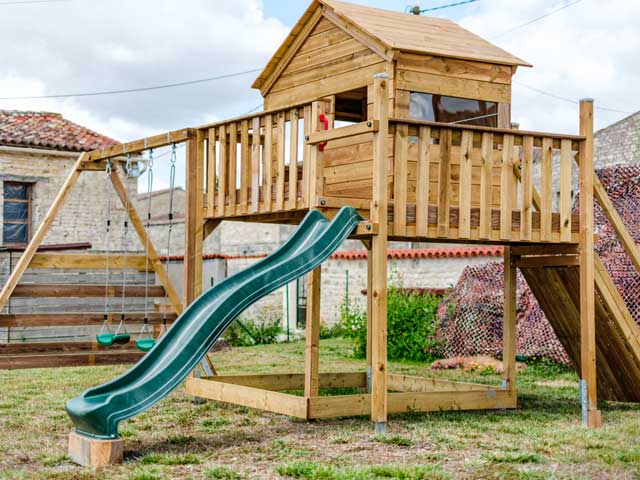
column 82, row 218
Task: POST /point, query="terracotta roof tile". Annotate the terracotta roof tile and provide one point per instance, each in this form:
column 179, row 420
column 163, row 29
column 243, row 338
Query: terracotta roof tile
column 393, row 253
column 48, row 130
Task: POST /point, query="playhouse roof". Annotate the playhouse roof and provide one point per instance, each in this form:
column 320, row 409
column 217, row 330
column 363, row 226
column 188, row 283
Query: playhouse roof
column 48, row 130
column 397, row 32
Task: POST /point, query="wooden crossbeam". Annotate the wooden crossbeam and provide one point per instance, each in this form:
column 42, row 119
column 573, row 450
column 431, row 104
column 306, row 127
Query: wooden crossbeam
column 83, row 291
column 137, row 146
column 10, row 362
column 65, row 319
column 88, row 261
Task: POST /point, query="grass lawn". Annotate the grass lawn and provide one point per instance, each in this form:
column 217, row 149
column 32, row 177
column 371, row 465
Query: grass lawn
column 543, row 438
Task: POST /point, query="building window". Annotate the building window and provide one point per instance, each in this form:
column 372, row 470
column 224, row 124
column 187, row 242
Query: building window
column 16, row 228
column 440, row 108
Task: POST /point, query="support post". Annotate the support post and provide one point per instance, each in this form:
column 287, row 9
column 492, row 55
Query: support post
column 509, row 323
column 193, row 236
column 312, row 349
column 42, row 230
column 379, row 400
column 369, row 312
column 588, row 392
column 90, row 452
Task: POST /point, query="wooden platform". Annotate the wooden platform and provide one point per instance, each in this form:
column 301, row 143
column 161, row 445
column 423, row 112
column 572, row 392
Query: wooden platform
column 617, row 338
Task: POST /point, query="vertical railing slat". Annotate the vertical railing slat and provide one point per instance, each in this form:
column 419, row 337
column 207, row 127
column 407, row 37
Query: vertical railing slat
column 422, row 189
column 280, row 174
column 506, row 187
column 293, row 159
column 464, row 215
column 211, row 171
column 486, row 181
column 306, row 155
column 267, row 151
column 245, row 168
column 255, row 165
column 444, row 182
column 223, row 174
column 400, row 182
column 566, row 161
column 233, row 167
column 546, row 191
column 527, row 188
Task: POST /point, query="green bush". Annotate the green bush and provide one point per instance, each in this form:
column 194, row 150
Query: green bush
column 331, row 331
column 411, row 325
column 244, row 333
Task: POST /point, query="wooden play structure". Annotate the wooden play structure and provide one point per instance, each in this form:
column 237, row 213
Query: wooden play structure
column 429, row 155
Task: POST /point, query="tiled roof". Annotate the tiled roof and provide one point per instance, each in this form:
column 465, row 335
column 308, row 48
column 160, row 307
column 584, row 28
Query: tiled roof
column 393, row 253
column 48, row 130
column 414, row 253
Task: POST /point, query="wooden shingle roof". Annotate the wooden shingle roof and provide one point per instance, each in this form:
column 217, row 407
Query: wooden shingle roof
column 398, row 32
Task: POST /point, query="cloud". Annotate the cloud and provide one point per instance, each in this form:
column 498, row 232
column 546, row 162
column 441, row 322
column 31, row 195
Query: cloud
column 81, row 46
column 586, row 50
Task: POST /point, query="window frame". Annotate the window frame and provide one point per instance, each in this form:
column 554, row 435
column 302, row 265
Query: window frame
column 28, row 221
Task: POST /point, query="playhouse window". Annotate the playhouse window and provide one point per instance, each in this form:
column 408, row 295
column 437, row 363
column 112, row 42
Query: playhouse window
column 440, row 108
column 16, row 217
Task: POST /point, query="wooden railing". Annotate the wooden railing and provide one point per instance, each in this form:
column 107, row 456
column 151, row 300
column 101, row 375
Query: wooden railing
column 478, row 183
column 260, row 163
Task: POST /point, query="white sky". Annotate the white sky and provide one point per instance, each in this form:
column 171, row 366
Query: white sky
column 587, row 50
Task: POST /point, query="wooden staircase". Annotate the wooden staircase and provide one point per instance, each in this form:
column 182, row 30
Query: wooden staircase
column 617, row 334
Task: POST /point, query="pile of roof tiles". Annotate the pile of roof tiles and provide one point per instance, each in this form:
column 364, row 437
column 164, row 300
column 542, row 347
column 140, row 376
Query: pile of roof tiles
column 471, row 316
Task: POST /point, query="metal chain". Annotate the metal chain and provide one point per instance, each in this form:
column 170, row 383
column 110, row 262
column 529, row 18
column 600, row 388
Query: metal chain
column 125, row 232
column 172, row 182
column 146, row 258
column 107, row 240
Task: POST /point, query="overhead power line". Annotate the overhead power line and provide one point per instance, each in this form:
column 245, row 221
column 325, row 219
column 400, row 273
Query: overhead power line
column 26, row 2
column 533, row 20
column 566, row 99
column 133, row 90
column 416, row 10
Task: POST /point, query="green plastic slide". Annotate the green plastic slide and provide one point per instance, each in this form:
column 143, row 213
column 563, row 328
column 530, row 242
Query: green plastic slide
column 97, row 412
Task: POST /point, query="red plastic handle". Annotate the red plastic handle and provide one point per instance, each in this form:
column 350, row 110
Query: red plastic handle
column 325, row 122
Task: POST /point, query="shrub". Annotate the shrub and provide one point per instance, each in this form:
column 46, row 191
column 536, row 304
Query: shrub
column 331, row 331
column 411, row 325
column 263, row 331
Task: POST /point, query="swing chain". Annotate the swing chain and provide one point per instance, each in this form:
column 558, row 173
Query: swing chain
column 172, row 182
column 146, row 263
column 107, row 240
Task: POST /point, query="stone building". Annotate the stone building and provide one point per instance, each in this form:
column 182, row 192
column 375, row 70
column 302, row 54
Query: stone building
column 37, row 151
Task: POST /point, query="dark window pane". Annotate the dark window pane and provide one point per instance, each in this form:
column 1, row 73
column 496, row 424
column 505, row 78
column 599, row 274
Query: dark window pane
column 16, row 211
column 19, row 191
column 425, row 106
column 15, row 233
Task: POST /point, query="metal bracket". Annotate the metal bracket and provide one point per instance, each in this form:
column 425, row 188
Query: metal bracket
column 583, row 401
column 369, row 379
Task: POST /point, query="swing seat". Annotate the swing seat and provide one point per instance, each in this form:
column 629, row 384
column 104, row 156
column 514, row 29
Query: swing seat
column 145, row 344
column 121, row 338
column 105, row 339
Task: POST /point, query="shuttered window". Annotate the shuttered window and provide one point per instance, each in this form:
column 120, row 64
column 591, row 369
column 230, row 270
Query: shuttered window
column 16, row 216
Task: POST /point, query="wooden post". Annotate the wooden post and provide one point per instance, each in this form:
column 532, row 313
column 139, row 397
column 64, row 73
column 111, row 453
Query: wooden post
column 369, row 310
column 588, row 392
column 315, row 157
column 91, row 452
column 193, row 235
column 378, row 264
column 42, row 231
column 509, row 323
column 311, row 362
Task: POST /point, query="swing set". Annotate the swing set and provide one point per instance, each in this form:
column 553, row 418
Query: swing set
column 111, row 342
column 120, row 336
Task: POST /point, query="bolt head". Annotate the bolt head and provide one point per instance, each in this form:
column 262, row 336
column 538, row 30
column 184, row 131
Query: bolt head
column 368, row 227
column 323, row 202
column 369, row 124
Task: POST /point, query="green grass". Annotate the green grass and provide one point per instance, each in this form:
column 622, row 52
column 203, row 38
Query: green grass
column 542, row 439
